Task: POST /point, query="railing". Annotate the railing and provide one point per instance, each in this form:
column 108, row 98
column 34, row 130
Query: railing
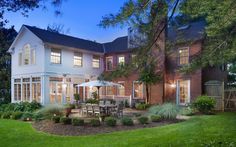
column 118, row 98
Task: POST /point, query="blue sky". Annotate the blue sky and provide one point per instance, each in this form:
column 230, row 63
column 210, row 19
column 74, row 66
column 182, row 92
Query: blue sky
column 79, row 16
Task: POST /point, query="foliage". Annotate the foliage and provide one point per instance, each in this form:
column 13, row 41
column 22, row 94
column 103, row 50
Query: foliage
column 76, row 97
column 22, row 107
column 77, row 122
column 95, row 95
column 143, row 120
column 49, row 111
column 188, row 111
column 7, row 36
column 166, row 110
column 16, row 115
column 92, row 101
column 65, row 120
column 1, row 113
column 27, row 116
column 56, row 119
column 155, row 118
column 95, row 122
column 142, row 106
column 126, row 121
column 110, row 121
column 6, row 115
column 70, row 106
column 204, row 104
column 219, row 42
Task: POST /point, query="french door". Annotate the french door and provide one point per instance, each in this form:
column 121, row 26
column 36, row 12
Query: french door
column 183, row 92
column 55, row 92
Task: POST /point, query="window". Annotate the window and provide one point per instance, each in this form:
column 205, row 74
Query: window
column 183, row 91
column 109, row 63
column 183, row 56
column 121, row 60
column 26, row 89
column 96, row 62
column 138, row 89
column 121, row 89
column 20, row 59
column 27, row 54
column 33, row 56
column 56, row 56
column 17, row 89
column 78, row 59
column 36, row 89
column 110, row 90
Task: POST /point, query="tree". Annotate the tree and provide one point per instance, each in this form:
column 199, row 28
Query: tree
column 57, row 28
column 148, row 18
column 24, row 6
column 220, row 32
column 7, row 36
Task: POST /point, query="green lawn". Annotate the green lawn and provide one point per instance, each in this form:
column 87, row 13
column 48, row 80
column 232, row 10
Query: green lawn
column 194, row 132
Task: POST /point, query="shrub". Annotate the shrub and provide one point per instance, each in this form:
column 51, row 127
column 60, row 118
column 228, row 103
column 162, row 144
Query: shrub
column 16, row 115
column 110, row 121
column 143, row 120
column 65, row 120
column 141, row 106
column 188, row 111
column 95, row 122
column 204, row 104
column 22, row 107
column 49, row 111
column 6, row 115
column 27, row 116
column 166, row 111
column 92, row 101
column 56, row 119
column 155, row 118
column 126, row 121
column 169, row 111
column 77, row 122
column 1, row 114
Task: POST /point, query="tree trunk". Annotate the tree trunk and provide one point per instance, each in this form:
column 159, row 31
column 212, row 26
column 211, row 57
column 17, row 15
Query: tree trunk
column 147, row 94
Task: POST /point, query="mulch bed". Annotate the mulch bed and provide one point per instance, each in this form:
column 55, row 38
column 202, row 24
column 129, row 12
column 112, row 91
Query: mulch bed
column 70, row 130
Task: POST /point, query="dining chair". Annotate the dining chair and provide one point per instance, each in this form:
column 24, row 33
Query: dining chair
column 84, row 110
column 96, row 110
column 90, row 109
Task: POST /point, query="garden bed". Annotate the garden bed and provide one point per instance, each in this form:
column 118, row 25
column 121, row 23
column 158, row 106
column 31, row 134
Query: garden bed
column 70, row 130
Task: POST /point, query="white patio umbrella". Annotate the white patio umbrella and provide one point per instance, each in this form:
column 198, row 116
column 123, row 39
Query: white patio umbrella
column 98, row 84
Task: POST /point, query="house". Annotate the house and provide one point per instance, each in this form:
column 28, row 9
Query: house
column 47, row 67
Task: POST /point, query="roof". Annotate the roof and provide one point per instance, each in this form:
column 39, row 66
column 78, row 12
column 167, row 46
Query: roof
column 65, row 40
column 191, row 31
column 118, row 45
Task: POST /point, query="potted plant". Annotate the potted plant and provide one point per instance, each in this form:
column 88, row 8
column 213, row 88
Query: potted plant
column 77, row 98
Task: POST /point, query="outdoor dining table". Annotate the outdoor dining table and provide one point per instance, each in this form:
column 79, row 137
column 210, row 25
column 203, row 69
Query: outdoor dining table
column 107, row 108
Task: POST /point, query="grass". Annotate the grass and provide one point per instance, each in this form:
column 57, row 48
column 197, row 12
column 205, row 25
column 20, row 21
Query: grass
column 194, row 132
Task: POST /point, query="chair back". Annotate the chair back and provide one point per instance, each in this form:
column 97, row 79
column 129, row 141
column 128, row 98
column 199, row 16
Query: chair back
column 96, row 108
column 90, row 108
column 108, row 102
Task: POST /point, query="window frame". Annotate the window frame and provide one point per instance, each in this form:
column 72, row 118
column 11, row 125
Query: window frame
column 53, row 50
column 133, row 90
column 78, row 55
column 99, row 61
column 179, row 57
column 107, row 58
column 118, row 60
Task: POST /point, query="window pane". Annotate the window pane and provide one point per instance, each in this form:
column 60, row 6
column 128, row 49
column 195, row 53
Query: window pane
column 121, row 60
column 33, row 56
column 109, row 63
column 183, row 56
column 121, row 89
column 26, row 54
column 138, row 90
column 20, row 59
column 78, row 59
column 96, row 62
column 56, row 56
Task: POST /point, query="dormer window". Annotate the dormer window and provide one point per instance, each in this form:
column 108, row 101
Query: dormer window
column 27, row 54
column 183, row 56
